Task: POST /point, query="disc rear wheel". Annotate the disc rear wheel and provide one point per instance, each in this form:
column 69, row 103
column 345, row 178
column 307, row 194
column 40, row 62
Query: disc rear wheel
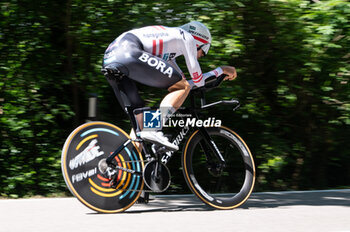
column 82, row 152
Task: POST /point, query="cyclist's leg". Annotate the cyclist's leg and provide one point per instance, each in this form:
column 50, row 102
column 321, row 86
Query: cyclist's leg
column 149, row 70
column 128, row 97
column 127, row 93
column 177, row 86
column 175, row 98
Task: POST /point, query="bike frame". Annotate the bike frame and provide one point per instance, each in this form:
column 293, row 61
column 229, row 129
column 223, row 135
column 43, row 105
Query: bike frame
column 208, row 145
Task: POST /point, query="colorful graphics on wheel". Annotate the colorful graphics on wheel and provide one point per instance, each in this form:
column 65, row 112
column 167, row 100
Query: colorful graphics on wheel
column 83, row 150
column 127, row 182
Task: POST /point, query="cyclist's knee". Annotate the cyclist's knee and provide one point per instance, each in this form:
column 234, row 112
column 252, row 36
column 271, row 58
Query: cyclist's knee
column 180, row 85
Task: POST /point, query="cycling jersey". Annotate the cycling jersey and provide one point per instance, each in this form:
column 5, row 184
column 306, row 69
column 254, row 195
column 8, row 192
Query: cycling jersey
column 168, row 43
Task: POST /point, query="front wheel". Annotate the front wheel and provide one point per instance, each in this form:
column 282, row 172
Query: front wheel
column 222, row 186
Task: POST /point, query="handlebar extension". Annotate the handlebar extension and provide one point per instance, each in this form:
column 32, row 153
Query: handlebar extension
column 211, row 82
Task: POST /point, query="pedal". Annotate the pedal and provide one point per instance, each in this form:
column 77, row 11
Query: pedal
column 113, row 182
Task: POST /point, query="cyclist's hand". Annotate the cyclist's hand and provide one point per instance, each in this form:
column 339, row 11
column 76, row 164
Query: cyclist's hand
column 230, row 71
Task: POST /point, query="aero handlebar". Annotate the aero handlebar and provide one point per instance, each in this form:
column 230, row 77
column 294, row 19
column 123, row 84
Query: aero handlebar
column 211, row 83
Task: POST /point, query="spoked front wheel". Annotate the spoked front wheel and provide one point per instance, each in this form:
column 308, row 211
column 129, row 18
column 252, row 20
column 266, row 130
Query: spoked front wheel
column 83, row 150
column 220, row 185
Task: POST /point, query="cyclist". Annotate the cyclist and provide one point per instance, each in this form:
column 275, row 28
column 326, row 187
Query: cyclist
column 147, row 55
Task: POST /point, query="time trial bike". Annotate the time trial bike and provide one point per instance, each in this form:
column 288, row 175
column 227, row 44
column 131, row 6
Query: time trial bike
column 104, row 169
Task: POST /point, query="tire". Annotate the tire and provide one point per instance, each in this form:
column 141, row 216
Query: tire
column 83, row 150
column 226, row 189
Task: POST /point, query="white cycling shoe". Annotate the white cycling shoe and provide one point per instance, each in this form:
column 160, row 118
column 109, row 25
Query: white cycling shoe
column 158, row 138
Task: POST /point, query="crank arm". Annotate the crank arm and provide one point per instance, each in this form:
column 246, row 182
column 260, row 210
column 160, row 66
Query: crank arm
column 128, row 170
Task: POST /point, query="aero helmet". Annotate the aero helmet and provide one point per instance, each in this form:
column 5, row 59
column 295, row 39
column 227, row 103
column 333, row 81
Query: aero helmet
column 200, row 33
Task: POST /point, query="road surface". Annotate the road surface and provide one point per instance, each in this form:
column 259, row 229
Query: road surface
column 327, row 211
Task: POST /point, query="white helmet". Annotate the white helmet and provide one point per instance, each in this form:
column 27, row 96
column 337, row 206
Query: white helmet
column 200, row 33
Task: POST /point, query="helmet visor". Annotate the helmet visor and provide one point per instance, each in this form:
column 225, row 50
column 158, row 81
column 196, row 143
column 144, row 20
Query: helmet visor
column 205, row 48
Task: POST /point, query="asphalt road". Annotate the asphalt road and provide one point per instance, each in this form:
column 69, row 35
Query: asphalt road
column 327, row 211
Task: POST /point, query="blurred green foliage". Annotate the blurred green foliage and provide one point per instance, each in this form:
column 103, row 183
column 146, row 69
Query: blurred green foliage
column 292, row 59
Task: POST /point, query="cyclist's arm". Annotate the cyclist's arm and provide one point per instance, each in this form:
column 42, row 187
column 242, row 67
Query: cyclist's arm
column 216, row 72
column 190, row 53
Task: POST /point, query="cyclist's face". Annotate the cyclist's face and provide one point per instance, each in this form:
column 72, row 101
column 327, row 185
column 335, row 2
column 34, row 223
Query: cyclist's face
column 200, row 53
